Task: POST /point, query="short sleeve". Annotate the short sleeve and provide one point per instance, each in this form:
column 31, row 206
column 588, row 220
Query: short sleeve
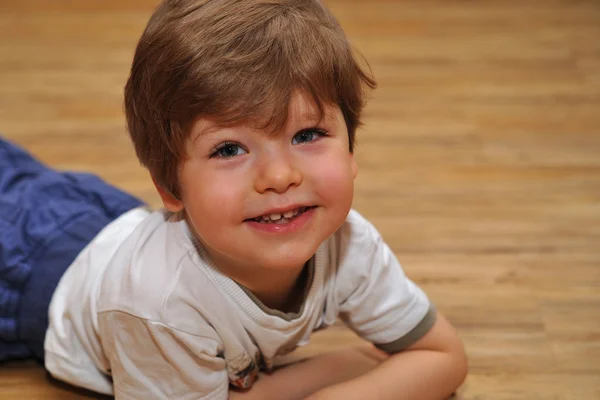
column 150, row 360
column 376, row 299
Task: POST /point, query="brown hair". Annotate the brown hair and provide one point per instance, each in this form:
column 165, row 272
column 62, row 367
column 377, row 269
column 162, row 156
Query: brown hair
column 234, row 61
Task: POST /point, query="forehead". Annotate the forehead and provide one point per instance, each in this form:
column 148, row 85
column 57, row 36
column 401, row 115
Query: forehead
column 301, row 110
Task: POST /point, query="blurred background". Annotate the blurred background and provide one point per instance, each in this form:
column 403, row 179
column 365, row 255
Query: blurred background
column 479, row 163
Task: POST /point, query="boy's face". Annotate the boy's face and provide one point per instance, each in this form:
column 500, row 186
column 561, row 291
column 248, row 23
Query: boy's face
column 236, row 179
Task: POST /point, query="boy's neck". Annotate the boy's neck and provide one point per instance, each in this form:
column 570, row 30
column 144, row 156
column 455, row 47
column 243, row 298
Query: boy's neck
column 281, row 291
column 288, row 296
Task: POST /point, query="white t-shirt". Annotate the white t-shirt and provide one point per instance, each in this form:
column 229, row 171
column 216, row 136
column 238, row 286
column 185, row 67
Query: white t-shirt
column 143, row 313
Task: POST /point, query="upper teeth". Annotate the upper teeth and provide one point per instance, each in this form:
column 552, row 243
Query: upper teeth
column 273, row 217
column 290, row 214
column 277, row 216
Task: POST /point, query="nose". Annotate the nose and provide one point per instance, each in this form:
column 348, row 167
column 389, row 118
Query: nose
column 277, row 173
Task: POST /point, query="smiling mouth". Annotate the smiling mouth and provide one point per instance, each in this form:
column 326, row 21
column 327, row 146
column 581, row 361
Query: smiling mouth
column 283, row 218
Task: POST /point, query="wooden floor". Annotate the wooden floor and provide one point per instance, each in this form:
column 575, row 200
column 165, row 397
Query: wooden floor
column 480, row 163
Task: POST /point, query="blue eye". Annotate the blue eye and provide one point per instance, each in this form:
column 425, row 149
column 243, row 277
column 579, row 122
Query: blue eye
column 228, row 150
column 308, row 135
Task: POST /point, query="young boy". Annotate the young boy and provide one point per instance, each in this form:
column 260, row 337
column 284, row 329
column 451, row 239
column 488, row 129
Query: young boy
column 245, row 113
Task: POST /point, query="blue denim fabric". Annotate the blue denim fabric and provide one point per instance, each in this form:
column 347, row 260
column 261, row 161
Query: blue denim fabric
column 46, row 218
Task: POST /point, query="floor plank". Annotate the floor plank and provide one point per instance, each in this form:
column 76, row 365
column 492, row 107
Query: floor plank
column 479, row 163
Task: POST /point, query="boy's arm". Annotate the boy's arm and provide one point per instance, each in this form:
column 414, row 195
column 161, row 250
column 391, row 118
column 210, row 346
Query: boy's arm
column 300, row 379
column 432, row 368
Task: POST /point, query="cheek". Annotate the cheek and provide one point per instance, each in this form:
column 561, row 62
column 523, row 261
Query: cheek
column 333, row 178
column 215, row 199
column 212, row 212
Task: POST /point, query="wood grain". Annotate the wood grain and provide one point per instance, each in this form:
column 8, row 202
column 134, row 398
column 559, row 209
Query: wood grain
column 479, row 162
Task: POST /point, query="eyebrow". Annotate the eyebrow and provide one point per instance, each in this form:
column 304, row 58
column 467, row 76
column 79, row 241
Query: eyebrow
column 310, row 115
column 209, row 128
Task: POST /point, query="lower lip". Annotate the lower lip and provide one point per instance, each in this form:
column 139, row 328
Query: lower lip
column 292, row 226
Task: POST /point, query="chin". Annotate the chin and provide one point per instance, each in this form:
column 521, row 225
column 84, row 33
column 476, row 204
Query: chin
column 286, row 262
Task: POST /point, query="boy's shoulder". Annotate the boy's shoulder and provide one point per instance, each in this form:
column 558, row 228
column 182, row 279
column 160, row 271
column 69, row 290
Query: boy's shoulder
column 358, row 231
column 353, row 245
column 150, row 268
column 356, row 250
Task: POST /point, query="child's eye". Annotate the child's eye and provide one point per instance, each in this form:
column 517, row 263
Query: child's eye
column 308, row 135
column 228, row 150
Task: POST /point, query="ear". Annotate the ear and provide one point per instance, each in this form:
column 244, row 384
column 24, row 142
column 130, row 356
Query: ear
column 170, row 202
column 353, row 166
